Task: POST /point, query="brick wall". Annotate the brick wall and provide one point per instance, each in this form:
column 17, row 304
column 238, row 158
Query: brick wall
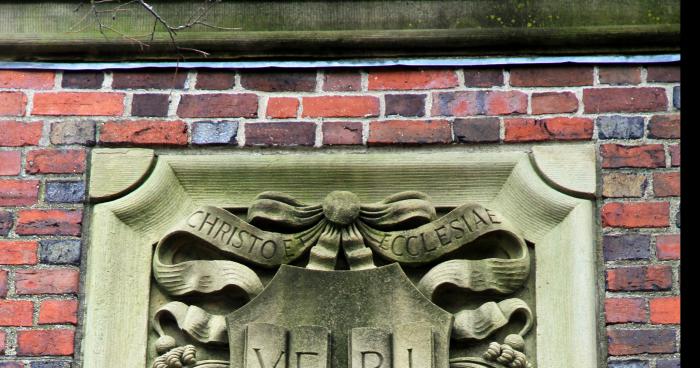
column 51, row 119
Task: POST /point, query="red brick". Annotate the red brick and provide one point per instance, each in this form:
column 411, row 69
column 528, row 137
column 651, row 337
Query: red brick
column 49, row 222
column 599, row 100
column 640, row 341
column 342, row 81
column 218, row 105
column 45, row 342
column 619, row 74
column 79, row 103
column 393, row 79
column 483, row 77
column 160, row 79
column 51, row 161
column 639, row 278
column 667, row 184
column 58, row 311
column 280, row 134
column 16, row 312
column 144, row 132
column 554, row 102
column 18, row 192
column 82, row 79
column 562, row 129
column 6, row 222
column 646, row 156
column 212, row 80
column 17, row 134
column 625, row 310
column 675, row 152
column 2, row 346
column 18, row 252
column 665, row 126
column 468, row 103
column 635, row 214
column 668, row 246
column 3, row 283
column 665, row 310
column 664, row 73
column 551, row 76
column 12, row 103
column 340, row 106
column 342, row 132
column 10, row 162
column 410, row 132
column 28, row 79
column 46, row 281
column 282, row 107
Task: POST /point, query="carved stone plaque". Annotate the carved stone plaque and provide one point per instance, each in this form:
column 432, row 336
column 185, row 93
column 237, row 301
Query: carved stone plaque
column 365, row 262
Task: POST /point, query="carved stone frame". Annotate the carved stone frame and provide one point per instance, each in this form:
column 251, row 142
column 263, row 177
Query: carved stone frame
column 547, row 191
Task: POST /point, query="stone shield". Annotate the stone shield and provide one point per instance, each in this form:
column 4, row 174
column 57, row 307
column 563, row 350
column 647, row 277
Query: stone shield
column 348, row 317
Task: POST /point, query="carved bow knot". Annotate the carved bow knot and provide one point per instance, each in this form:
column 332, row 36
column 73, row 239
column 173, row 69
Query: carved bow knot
column 340, row 221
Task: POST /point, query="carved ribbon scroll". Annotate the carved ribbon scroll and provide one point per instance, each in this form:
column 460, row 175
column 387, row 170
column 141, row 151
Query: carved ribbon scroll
column 403, row 228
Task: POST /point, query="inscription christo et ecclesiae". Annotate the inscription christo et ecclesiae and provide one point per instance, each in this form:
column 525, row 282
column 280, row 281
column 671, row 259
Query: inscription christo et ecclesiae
column 355, row 285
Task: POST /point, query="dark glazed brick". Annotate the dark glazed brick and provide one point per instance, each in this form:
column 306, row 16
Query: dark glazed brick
column 3, row 293
column 209, row 132
column 342, row 81
column 477, row 130
column 60, row 252
column 664, row 73
column 632, row 246
column 628, row 364
column 551, row 76
column 158, row 79
column 65, row 191
column 618, row 74
column 483, row 77
column 218, row 105
column 342, row 132
column 12, row 365
column 6, row 221
column 279, row 81
column 280, row 134
column 405, row 105
column 150, row 104
column 677, row 97
column 214, row 80
column 628, row 342
column 620, row 127
column 668, row 363
column 88, row 80
column 73, row 132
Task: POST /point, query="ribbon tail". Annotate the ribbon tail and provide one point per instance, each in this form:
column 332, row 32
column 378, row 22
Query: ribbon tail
column 358, row 255
column 193, row 321
column 324, row 254
column 479, row 323
column 497, row 274
column 205, row 277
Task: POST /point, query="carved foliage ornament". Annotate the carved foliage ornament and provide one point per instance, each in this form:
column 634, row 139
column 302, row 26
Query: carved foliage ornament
column 364, row 317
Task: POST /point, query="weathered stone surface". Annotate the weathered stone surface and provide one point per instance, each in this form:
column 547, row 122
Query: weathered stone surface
column 65, row 191
column 210, row 132
column 73, row 132
column 60, row 252
column 620, row 127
